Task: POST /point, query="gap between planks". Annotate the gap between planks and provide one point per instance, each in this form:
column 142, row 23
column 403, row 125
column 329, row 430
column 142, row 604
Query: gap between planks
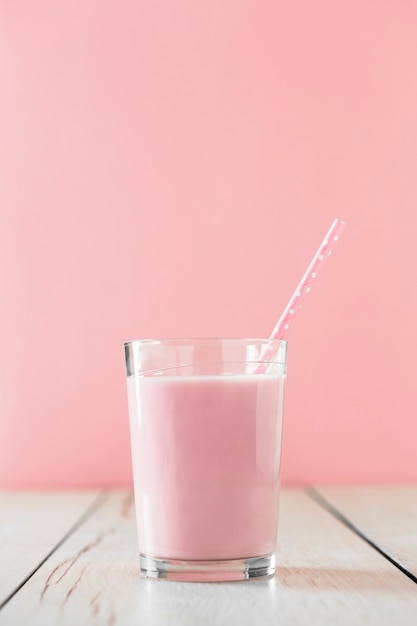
column 319, row 499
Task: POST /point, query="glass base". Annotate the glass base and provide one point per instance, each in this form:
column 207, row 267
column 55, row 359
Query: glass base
column 207, row 571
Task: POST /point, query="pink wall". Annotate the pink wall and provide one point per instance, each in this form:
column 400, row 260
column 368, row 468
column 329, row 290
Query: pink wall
column 167, row 169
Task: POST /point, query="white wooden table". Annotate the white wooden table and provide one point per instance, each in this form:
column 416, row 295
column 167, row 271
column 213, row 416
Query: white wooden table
column 346, row 556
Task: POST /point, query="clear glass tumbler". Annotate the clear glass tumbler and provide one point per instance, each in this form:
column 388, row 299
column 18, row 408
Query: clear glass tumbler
column 205, row 424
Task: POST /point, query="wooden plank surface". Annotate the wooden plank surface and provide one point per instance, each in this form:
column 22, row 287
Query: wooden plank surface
column 326, row 575
column 31, row 524
column 387, row 515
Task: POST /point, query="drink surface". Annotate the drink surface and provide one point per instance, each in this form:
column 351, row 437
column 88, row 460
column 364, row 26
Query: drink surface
column 206, row 461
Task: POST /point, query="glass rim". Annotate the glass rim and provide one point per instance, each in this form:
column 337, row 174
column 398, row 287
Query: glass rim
column 184, row 340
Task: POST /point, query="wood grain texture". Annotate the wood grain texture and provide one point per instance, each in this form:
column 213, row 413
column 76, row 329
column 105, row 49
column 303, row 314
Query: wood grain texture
column 31, row 524
column 387, row 515
column 326, row 575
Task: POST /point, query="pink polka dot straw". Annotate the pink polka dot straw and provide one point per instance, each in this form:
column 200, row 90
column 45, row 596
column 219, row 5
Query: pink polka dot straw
column 304, row 286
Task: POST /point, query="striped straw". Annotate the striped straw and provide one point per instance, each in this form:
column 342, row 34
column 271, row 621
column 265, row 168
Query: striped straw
column 305, row 284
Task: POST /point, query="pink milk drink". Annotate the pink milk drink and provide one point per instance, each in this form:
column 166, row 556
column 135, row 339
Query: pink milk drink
column 205, row 421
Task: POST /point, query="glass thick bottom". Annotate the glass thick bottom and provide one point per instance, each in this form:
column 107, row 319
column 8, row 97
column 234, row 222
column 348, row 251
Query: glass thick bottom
column 207, row 571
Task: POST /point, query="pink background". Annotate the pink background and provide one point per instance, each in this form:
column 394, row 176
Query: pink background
column 168, row 169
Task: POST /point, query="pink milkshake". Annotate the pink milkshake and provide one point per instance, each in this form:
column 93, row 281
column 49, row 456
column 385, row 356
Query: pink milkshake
column 206, row 463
